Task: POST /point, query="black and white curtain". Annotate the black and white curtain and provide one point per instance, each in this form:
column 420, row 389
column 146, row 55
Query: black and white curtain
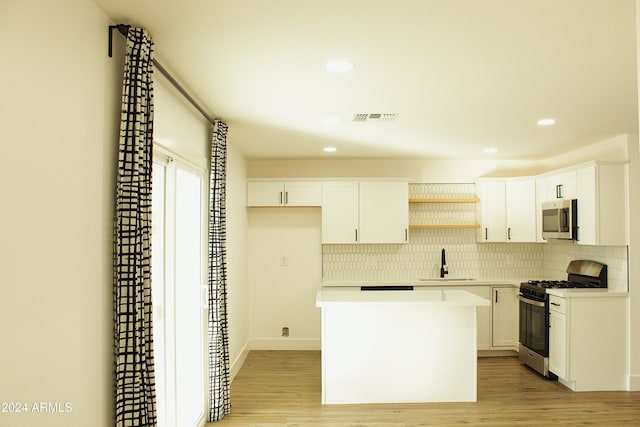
column 219, row 399
column 135, row 395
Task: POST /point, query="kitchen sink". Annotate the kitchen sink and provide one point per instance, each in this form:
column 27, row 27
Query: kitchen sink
column 447, row 279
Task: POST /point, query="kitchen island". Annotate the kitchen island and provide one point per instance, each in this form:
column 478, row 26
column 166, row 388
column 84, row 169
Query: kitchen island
column 398, row 345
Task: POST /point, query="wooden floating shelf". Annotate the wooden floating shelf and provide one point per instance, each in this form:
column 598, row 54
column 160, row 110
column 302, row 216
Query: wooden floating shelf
column 473, row 200
column 444, row 226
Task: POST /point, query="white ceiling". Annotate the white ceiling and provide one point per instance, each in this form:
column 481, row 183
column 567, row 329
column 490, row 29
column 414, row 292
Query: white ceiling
column 462, row 74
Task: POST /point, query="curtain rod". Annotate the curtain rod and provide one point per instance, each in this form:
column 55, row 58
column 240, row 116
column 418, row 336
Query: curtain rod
column 124, row 29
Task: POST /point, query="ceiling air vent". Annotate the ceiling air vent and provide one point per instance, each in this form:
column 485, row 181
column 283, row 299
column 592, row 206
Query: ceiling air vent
column 375, row 117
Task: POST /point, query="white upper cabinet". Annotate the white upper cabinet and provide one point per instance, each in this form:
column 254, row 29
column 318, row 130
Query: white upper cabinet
column 365, row 212
column 340, row 212
column 492, row 214
column 384, row 212
column 562, row 185
column 521, row 209
column 303, row 193
column 600, row 190
column 602, row 205
column 283, row 193
column 507, row 210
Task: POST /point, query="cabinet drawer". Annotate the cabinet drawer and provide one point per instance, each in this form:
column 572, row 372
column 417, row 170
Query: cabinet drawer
column 557, row 304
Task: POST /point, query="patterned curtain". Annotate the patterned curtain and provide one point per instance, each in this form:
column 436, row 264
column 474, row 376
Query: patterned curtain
column 135, row 395
column 219, row 401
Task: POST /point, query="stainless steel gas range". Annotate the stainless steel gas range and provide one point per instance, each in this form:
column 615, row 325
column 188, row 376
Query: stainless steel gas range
column 534, row 309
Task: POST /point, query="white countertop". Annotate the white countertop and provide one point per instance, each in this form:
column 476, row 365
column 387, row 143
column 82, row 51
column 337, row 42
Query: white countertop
column 426, row 283
column 587, row 293
column 448, row 297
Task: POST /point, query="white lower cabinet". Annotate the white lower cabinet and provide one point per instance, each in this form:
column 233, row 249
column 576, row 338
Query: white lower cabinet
column 587, row 341
column 505, row 318
column 497, row 324
column 558, row 336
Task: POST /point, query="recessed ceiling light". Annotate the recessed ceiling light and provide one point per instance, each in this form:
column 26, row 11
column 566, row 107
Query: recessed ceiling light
column 339, row 66
column 546, row 122
column 329, row 149
column 332, row 121
column 490, row 150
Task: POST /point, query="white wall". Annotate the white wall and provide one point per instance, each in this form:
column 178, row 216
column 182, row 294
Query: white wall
column 634, row 244
column 58, row 122
column 284, row 295
column 634, row 266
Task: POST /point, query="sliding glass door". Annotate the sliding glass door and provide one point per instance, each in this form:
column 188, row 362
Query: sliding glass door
column 178, row 286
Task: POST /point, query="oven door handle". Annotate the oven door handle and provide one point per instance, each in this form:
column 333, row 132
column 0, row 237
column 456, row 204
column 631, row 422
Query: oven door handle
column 530, row 301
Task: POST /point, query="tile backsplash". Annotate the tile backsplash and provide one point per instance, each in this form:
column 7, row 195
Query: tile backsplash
column 466, row 258
column 557, row 255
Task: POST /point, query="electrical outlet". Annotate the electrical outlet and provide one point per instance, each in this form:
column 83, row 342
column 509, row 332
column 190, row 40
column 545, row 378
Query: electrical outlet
column 285, row 332
column 284, row 261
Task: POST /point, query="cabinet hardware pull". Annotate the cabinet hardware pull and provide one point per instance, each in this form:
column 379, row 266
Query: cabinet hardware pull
column 281, row 197
column 286, row 198
column 530, row 301
column 509, row 233
column 406, row 234
column 356, row 234
column 555, row 303
column 486, row 234
column 496, row 295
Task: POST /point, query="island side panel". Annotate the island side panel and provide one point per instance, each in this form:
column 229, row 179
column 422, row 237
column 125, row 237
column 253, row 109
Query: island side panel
column 398, row 352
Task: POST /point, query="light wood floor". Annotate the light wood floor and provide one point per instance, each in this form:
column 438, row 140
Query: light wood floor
column 282, row 388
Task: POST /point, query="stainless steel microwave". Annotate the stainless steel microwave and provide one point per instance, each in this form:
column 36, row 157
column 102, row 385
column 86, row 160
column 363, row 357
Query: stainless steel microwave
column 560, row 219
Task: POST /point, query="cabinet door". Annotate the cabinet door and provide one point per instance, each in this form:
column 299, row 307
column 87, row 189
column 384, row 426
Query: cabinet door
column 303, row 193
column 505, row 317
column 602, row 205
column 586, row 182
column 384, row 212
column 558, row 344
column 562, row 186
column 265, row 193
column 339, row 212
column 492, row 207
column 521, row 210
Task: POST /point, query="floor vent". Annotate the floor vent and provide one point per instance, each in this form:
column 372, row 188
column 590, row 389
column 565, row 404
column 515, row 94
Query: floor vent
column 375, row 117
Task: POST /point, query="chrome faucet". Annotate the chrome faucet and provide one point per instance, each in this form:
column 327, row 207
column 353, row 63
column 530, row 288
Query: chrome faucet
column 443, row 265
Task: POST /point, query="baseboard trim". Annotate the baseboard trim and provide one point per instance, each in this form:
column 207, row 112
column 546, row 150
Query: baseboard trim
column 496, row 353
column 286, row 344
column 634, row 382
column 239, row 361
